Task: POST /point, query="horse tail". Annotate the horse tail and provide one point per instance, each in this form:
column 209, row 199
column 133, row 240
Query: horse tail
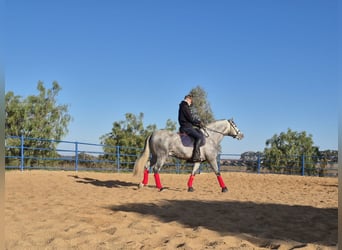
column 141, row 161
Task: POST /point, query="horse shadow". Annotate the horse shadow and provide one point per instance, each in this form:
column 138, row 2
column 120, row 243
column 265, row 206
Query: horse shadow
column 107, row 184
column 255, row 222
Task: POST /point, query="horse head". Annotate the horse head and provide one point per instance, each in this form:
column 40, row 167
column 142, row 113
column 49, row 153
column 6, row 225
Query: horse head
column 234, row 131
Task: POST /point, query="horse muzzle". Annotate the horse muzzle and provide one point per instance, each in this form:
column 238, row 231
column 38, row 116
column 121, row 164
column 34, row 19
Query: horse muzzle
column 239, row 136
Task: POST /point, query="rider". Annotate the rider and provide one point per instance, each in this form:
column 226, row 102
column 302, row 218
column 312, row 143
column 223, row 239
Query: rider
column 186, row 122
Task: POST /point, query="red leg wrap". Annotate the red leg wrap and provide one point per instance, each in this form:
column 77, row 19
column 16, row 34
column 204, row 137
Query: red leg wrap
column 191, row 179
column 145, row 180
column 157, row 179
column 220, row 180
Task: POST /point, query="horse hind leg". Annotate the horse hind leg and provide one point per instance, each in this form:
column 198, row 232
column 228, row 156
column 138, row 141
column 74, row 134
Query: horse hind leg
column 156, row 178
column 145, row 179
column 156, row 169
column 158, row 182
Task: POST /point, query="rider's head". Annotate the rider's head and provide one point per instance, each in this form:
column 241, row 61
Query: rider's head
column 188, row 99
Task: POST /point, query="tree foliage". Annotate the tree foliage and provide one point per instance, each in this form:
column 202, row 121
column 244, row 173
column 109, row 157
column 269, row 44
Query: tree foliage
column 284, row 152
column 129, row 134
column 36, row 116
column 170, row 125
column 201, row 107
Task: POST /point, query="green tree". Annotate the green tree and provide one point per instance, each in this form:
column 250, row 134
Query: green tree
column 284, row 152
column 36, row 116
column 171, row 125
column 127, row 133
column 131, row 132
column 127, row 136
column 201, row 107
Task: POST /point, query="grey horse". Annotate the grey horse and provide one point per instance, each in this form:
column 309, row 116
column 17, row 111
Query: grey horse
column 164, row 143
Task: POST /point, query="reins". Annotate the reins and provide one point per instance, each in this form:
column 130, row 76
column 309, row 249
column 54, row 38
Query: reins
column 212, row 130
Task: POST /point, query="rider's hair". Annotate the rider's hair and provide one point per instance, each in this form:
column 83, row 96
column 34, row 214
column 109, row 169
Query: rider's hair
column 188, row 96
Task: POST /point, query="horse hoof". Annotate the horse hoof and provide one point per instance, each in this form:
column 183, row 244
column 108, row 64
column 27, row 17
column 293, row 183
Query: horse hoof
column 191, row 189
column 141, row 185
column 224, row 190
column 161, row 189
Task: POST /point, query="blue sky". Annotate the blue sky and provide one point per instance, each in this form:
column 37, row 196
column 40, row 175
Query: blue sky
column 272, row 65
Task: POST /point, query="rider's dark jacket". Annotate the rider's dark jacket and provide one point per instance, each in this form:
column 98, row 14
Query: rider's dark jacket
column 185, row 117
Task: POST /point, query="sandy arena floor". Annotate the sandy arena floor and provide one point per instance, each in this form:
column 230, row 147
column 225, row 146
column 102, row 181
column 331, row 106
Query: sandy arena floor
column 87, row 210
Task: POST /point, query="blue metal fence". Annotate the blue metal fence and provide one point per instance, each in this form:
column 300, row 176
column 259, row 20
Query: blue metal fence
column 69, row 155
column 37, row 153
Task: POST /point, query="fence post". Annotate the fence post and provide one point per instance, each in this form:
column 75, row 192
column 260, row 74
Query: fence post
column 76, row 156
column 303, row 165
column 177, row 166
column 118, row 158
column 22, row 157
column 259, row 163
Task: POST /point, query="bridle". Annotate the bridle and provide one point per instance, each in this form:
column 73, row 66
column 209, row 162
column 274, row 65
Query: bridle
column 232, row 123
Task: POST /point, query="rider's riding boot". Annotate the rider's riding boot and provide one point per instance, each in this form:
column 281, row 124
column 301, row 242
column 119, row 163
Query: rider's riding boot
column 196, row 154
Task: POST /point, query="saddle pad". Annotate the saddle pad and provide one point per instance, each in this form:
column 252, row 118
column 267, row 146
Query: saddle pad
column 188, row 141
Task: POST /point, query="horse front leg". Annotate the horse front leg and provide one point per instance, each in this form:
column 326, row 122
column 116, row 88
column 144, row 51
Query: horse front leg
column 192, row 176
column 213, row 164
column 221, row 182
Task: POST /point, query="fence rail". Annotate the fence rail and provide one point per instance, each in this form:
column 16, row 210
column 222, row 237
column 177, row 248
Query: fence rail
column 37, row 153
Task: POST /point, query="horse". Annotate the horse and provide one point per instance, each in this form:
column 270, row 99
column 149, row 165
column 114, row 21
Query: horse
column 163, row 143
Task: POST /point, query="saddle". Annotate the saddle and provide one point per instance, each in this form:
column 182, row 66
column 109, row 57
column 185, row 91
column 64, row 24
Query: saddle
column 188, row 141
